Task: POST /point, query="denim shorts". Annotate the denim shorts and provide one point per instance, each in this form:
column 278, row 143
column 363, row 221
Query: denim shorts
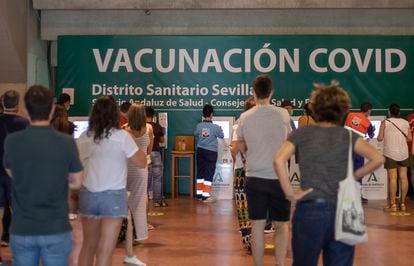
column 108, row 203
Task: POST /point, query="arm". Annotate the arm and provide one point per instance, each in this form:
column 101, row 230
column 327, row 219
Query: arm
column 409, row 135
column 375, row 159
column 381, row 133
column 75, row 180
column 220, row 133
column 234, row 148
column 301, row 122
column 371, row 131
column 162, row 139
column 9, row 173
column 139, row 159
column 242, row 147
column 412, row 147
column 151, row 137
column 279, row 165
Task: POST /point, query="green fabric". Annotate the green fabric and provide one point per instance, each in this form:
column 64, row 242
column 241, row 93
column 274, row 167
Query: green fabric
column 40, row 160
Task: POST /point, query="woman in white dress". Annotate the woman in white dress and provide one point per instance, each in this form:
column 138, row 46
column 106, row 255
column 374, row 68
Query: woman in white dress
column 137, row 180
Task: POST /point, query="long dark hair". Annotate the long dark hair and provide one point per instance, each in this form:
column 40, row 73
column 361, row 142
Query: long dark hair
column 103, row 118
column 60, row 119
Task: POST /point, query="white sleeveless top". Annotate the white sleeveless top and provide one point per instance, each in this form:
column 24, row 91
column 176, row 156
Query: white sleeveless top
column 395, row 143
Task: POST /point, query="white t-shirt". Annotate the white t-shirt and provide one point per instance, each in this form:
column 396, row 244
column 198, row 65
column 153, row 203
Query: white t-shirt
column 395, row 143
column 264, row 128
column 105, row 163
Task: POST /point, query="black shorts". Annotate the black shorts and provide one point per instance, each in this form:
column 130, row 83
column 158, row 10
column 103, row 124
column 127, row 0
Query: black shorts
column 265, row 196
column 392, row 164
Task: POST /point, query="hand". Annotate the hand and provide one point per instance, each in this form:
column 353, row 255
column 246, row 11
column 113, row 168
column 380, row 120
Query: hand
column 299, row 194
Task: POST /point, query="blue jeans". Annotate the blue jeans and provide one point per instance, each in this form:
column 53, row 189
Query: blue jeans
column 52, row 250
column 155, row 172
column 314, row 231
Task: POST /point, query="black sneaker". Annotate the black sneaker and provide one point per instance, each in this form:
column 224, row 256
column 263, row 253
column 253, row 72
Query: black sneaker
column 364, row 200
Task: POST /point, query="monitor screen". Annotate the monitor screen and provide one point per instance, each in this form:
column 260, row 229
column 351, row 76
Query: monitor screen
column 376, row 124
column 226, row 124
column 296, row 122
column 80, row 127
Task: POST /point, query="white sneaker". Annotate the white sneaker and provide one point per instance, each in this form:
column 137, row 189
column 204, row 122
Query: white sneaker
column 72, row 216
column 209, row 200
column 133, row 260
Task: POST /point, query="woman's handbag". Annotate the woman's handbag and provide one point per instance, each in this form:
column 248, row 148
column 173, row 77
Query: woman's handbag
column 349, row 224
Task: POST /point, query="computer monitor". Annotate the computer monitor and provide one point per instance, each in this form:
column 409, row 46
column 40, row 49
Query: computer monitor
column 376, row 123
column 226, row 123
column 81, row 124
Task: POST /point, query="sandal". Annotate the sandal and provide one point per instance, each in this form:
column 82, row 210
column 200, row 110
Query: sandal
column 390, row 208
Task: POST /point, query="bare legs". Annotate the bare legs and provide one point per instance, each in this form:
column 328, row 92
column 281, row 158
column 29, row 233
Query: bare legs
column 258, row 241
column 402, row 173
column 393, row 175
column 281, row 241
column 129, row 235
column 100, row 237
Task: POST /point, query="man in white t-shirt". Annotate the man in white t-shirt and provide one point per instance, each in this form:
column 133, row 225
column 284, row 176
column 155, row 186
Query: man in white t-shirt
column 261, row 132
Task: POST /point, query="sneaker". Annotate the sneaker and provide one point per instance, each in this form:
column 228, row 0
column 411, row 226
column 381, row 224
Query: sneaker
column 150, row 227
column 72, row 216
column 364, row 200
column 269, row 231
column 136, row 243
column 209, row 200
column 133, row 260
column 157, row 204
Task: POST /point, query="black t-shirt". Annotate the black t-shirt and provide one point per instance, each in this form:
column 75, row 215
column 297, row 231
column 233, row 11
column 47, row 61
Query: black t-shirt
column 40, row 159
column 8, row 124
column 159, row 132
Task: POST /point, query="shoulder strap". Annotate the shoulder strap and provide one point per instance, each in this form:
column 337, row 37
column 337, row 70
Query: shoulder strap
column 405, row 135
column 350, row 169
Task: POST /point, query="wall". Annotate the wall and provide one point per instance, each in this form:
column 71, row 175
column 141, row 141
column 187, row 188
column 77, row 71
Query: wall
column 37, row 60
column 212, row 17
column 12, row 41
column 214, row 4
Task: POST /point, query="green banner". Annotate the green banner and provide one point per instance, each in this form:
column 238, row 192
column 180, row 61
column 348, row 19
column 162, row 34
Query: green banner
column 175, row 73
column 179, row 74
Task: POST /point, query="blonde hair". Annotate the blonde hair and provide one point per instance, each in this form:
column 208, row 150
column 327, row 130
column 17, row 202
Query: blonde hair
column 136, row 117
column 329, row 102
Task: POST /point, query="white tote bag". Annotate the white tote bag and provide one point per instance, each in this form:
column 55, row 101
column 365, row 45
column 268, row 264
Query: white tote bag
column 349, row 224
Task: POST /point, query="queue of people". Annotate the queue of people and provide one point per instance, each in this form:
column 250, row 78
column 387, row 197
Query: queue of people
column 321, row 142
column 114, row 168
column 43, row 163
